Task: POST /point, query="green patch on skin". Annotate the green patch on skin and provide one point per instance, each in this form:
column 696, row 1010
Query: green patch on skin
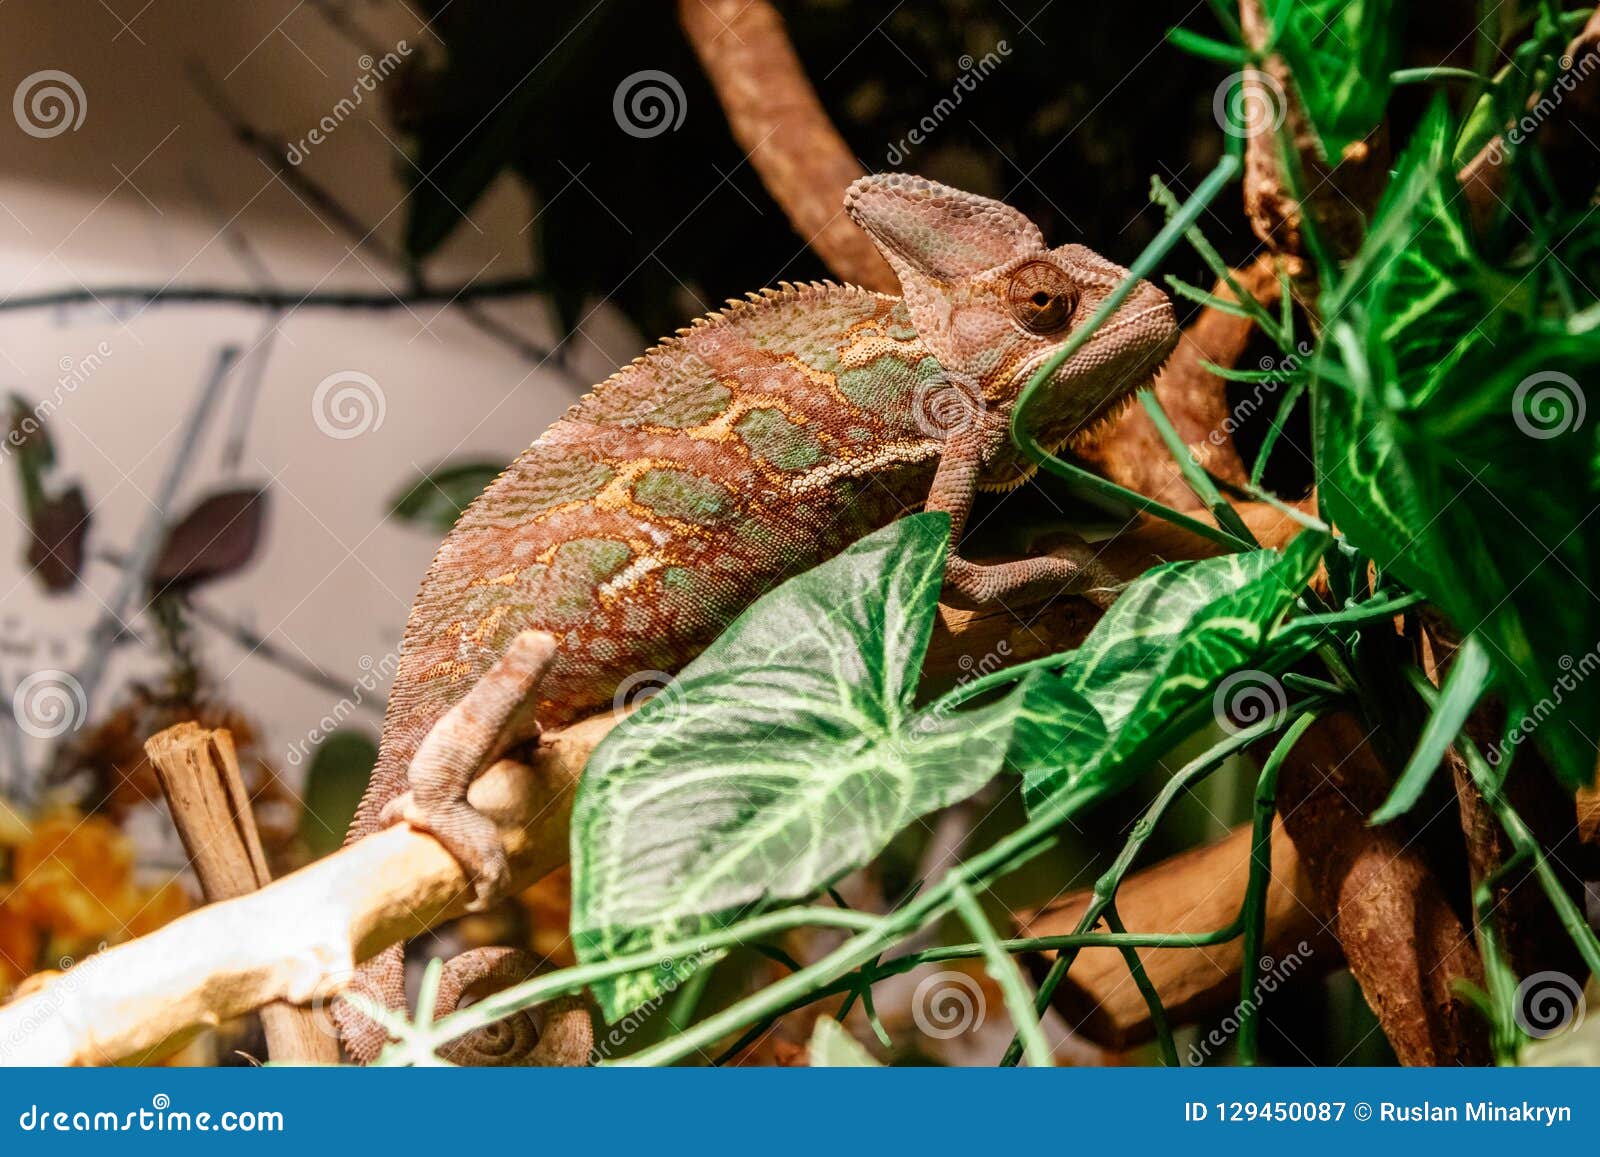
column 642, row 402
column 677, row 578
column 685, row 497
column 567, row 592
column 774, row 439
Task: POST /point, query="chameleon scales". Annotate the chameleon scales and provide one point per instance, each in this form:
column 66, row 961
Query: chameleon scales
column 758, row 442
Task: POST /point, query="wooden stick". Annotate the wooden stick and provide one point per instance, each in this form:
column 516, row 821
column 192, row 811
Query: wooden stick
column 1198, row 891
column 1405, row 943
column 776, row 117
column 199, row 774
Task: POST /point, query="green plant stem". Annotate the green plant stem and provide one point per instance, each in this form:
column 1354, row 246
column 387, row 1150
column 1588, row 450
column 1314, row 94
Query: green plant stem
column 1105, row 887
column 1525, row 843
column 1253, row 913
column 1152, row 998
column 1226, row 170
column 1199, row 481
column 1005, row 973
column 1429, row 75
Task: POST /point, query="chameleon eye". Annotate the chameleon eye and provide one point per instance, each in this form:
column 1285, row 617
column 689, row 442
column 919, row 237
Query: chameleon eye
column 1041, row 297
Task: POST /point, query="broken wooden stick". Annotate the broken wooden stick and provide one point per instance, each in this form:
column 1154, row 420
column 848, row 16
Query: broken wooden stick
column 199, row 774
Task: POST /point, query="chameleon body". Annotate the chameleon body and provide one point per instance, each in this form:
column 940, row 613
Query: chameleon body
column 757, row 443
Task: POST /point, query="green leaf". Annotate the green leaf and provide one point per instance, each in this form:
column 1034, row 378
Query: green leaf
column 1451, row 445
column 1152, row 665
column 1341, row 53
column 1465, row 685
column 338, row 775
column 832, row 1047
column 785, row 756
column 437, row 498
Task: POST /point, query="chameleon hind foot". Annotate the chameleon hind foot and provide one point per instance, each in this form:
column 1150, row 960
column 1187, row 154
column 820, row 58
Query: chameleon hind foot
column 494, row 715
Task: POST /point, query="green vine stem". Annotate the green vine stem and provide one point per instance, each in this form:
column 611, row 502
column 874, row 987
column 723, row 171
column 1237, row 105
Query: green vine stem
column 1226, row 170
column 1147, row 989
column 1003, row 969
column 1105, row 888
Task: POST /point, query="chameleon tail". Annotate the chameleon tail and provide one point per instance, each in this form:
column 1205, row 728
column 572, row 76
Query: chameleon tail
column 492, row 716
column 556, row 1034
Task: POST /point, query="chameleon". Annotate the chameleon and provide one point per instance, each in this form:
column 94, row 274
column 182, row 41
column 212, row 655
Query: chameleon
column 756, row 443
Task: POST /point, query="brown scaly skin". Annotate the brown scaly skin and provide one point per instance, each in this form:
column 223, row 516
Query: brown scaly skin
column 757, row 443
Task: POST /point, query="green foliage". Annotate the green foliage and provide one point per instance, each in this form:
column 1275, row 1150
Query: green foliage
column 786, row 755
column 832, row 1047
column 1450, row 444
column 1341, row 53
column 334, row 783
column 1149, row 669
column 435, row 500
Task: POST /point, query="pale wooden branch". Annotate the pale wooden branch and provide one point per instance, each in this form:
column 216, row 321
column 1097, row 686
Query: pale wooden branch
column 297, row 939
column 199, row 773
column 777, row 119
column 1198, row 891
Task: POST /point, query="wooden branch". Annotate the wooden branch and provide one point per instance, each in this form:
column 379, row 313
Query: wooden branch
column 1198, row 891
column 1405, row 944
column 1340, row 191
column 1131, row 452
column 776, row 117
column 297, row 939
column 199, row 774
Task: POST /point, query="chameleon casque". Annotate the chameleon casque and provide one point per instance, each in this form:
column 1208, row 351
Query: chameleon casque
column 758, row 442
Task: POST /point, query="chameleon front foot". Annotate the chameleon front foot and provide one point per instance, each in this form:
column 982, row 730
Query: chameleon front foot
column 1072, row 570
column 494, row 715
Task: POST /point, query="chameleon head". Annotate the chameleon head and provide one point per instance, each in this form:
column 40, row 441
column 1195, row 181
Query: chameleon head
column 993, row 304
